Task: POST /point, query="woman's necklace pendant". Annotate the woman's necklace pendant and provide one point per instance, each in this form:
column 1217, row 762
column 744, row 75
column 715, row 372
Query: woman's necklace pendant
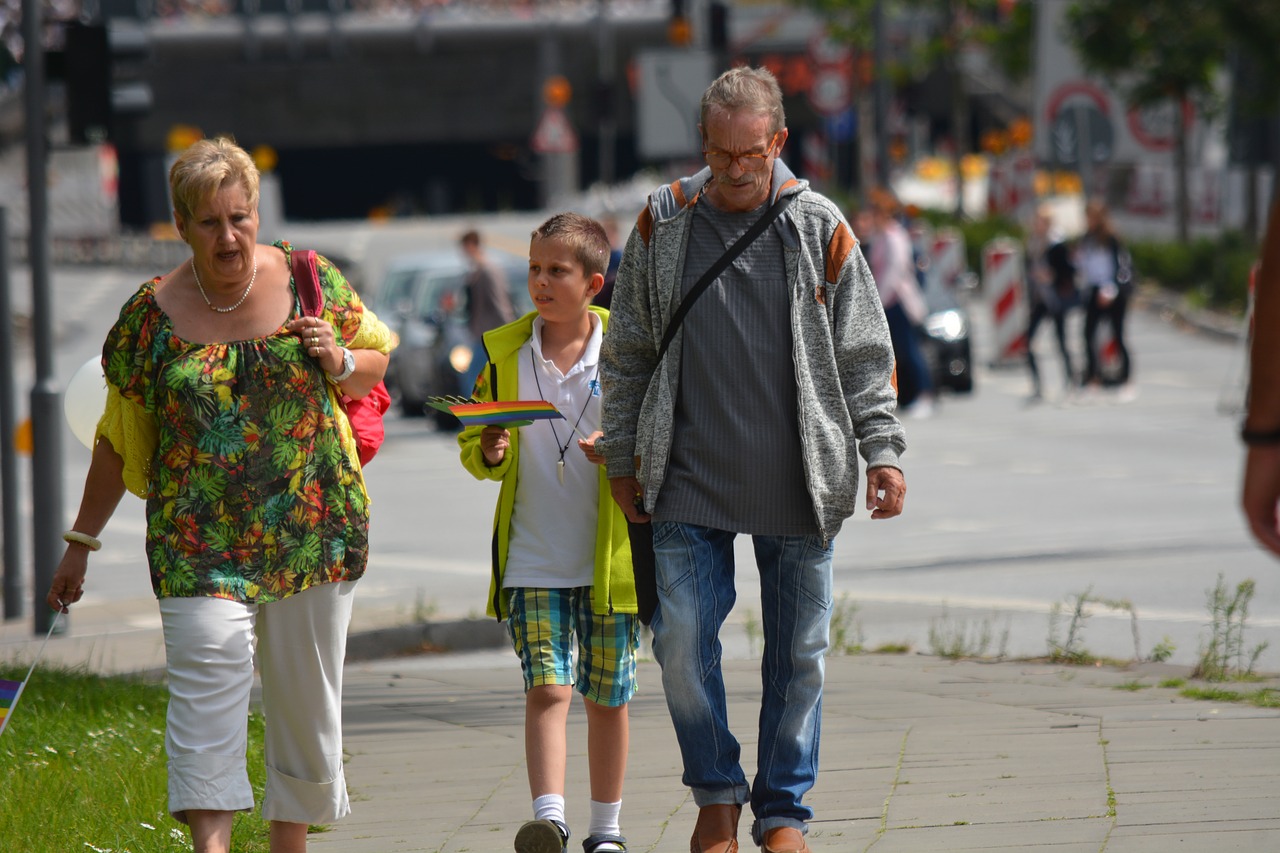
column 560, row 470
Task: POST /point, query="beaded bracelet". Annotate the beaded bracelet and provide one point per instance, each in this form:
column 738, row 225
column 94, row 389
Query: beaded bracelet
column 1255, row 437
column 75, row 537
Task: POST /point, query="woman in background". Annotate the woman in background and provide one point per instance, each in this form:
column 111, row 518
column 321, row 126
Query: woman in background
column 1107, row 272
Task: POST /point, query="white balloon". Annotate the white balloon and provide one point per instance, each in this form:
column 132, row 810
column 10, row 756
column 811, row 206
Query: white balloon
column 85, row 400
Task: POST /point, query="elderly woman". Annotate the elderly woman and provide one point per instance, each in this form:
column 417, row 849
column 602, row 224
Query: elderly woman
column 223, row 413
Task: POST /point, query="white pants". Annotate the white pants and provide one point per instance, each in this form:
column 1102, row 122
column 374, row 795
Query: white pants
column 209, row 647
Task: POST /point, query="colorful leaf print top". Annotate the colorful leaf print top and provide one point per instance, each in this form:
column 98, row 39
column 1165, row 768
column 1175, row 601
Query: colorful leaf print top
column 250, row 497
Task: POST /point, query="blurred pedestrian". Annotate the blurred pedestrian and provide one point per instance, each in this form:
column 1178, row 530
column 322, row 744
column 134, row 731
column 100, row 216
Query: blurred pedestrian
column 605, row 297
column 561, row 552
column 488, row 300
column 1107, row 273
column 1261, row 492
column 1051, row 291
column 222, row 411
column 892, row 262
column 751, row 422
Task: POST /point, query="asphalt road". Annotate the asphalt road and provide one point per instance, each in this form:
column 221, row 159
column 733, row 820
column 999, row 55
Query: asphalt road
column 1011, row 508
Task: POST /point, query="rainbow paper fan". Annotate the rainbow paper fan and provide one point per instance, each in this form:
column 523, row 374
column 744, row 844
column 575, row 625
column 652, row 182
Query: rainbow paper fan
column 507, row 414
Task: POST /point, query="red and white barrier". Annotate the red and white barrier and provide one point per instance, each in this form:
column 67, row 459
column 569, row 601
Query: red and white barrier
column 1011, row 186
column 946, row 259
column 1004, row 283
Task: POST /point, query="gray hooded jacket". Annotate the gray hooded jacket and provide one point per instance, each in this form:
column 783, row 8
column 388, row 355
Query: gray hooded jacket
column 842, row 352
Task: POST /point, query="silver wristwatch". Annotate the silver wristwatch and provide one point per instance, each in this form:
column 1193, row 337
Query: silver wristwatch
column 348, row 366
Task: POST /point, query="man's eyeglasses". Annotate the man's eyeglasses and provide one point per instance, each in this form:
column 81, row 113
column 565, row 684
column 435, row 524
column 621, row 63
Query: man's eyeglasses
column 718, row 159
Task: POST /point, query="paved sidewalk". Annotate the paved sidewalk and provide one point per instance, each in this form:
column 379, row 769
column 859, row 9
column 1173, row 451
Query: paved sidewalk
column 918, row 753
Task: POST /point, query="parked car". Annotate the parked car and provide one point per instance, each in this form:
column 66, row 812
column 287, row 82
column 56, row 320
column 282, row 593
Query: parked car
column 947, row 347
column 422, row 299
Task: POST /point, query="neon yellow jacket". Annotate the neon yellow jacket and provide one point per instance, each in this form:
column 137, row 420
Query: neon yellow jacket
column 614, row 586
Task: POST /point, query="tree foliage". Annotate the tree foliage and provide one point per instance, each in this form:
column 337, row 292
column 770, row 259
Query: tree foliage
column 1174, row 51
column 1154, row 52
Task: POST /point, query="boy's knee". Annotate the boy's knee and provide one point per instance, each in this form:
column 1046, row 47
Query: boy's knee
column 548, row 695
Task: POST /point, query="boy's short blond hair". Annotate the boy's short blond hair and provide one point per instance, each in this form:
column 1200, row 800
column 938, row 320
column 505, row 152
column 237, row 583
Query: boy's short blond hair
column 584, row 236
column 208, row 166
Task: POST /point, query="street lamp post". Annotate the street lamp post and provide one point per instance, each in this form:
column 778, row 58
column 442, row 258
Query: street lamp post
column 46, row 460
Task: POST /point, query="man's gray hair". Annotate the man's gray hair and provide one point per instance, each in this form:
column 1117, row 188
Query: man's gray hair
column 752, row 89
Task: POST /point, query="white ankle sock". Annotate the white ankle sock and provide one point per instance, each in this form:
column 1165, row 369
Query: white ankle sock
column 604, row 818
column 549, row 807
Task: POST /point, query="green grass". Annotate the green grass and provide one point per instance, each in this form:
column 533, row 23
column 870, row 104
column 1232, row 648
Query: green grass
column 82, row 768
column 1132, row 686
column 1264, row 698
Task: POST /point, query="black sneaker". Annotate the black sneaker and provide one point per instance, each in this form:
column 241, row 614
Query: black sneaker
column 542, row 836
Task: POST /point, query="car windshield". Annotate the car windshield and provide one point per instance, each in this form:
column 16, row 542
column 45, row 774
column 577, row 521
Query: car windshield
column 435, row 290
column 396, row 294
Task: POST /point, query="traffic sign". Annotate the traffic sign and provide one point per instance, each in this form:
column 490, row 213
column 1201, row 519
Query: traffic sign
column 555, row 135
column 1080, row 126
column 830, row 92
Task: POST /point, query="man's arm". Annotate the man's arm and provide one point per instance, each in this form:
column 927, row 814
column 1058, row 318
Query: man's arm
column 628, row 358
column 864, row 357
column 1261, row 491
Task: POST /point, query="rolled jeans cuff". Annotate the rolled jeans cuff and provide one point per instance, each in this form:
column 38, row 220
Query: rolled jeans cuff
column 738, row 795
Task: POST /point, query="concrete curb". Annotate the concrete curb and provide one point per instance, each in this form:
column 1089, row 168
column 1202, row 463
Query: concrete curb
column 463, row 635
column 1175, row 307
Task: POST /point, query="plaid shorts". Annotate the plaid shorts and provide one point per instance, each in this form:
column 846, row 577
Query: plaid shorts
column 543, row 623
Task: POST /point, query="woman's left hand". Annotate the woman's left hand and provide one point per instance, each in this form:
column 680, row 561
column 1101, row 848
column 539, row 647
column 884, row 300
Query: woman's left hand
column 318, row 341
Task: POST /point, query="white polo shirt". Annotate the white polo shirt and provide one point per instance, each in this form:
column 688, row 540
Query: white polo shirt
column 553, row 525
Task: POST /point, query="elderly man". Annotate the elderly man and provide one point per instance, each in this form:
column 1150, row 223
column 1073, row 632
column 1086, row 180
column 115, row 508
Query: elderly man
column 751, row 422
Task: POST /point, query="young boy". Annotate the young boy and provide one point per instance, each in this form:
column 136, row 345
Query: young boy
column 562, row 557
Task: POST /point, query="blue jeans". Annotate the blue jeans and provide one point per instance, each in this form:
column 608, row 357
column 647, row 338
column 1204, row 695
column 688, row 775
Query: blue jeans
column 695, row 572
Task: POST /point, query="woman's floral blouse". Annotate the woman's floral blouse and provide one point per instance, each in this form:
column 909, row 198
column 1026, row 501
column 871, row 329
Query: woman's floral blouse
column 251, row 497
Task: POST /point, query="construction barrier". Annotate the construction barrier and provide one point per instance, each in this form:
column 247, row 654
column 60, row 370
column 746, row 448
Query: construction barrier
column 1004, row 283
column 946, row 259
column 1011, row 189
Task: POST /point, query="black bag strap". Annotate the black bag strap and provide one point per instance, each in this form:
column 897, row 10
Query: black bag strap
column 718, row 267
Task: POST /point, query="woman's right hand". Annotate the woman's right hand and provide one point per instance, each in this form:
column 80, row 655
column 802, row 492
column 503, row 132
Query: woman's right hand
column 68, row 581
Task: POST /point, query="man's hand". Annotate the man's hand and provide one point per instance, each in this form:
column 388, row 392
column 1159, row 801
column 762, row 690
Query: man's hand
column 890, row 482
column 629, row 494
column 1262, row 495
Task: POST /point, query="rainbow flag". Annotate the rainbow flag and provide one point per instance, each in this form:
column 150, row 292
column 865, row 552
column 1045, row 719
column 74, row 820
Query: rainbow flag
column 9, row 693
column 503, row 413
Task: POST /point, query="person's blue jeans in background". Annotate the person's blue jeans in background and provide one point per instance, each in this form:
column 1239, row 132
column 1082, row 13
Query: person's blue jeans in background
column 695, row 572
column 913, row 370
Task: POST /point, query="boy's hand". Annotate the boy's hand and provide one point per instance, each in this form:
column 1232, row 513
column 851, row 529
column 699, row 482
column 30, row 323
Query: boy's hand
column 588, row 447
column 494, row 441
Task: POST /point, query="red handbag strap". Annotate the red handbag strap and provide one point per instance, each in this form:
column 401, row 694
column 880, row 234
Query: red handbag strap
column 307, row 281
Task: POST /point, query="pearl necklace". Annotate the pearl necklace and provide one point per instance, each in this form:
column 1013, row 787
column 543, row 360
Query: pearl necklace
column 239, row 301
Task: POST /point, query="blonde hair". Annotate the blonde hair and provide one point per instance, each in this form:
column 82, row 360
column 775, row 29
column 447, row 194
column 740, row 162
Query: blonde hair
column 208, row 166
column 584, row 236
column 752, row 89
